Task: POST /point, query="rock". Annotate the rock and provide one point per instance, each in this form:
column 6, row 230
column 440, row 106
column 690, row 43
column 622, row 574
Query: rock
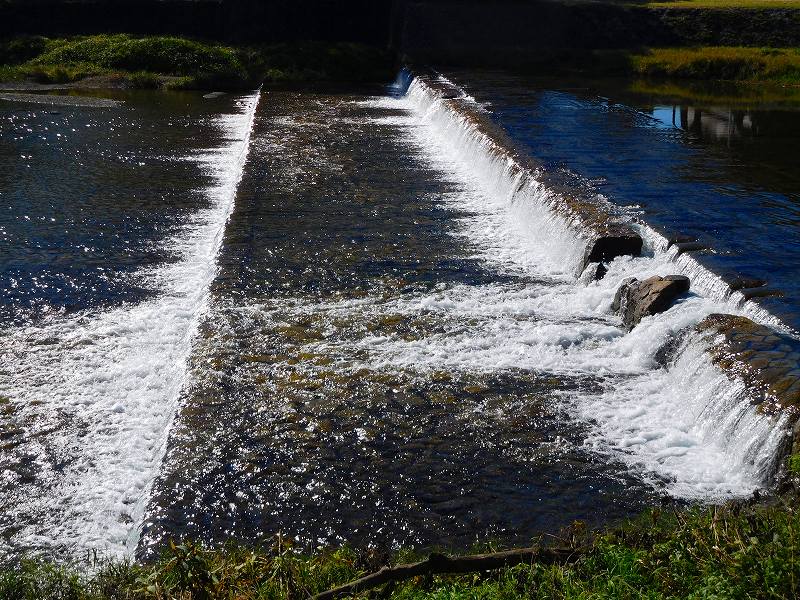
column 637, row 299
column 668, row 351
column 738, row 282
column 621, row 292
column 607, row 246
column 680, row 239
column 760, row 292
column 767, row 361
column 689, row 247
column 593, row 272
column 212, row 95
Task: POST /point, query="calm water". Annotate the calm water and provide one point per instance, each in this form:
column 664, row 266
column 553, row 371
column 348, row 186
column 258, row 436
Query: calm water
column 311, row 312
column 88, row 196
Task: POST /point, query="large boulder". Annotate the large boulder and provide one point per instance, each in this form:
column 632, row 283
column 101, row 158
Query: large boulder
column 637, row 299
column 611, row 243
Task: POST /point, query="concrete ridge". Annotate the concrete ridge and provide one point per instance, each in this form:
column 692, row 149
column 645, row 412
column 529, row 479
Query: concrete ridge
column 607, row 235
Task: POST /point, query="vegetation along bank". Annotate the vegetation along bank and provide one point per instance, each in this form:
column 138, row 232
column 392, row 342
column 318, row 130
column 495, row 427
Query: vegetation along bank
column 123, row 60
column 733, row 552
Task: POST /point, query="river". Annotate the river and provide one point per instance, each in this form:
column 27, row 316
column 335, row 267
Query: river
column 329, row 312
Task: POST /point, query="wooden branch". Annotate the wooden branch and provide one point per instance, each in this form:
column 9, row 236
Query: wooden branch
column 439, row 563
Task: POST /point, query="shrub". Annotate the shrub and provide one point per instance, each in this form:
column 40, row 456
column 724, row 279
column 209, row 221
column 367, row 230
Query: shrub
column 721, row 63
column 21, row 49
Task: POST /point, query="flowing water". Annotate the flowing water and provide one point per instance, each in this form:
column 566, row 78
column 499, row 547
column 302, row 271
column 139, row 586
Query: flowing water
column 337, row 315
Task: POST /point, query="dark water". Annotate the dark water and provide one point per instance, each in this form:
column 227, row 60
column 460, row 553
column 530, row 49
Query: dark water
column 290, row 426
column 728, row 175
column 89, row 194
column 384, row 355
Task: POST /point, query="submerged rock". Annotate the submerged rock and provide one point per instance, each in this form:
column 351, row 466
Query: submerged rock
column 637, row 299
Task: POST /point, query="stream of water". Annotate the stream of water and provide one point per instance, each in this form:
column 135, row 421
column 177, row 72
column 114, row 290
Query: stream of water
column 337, row 315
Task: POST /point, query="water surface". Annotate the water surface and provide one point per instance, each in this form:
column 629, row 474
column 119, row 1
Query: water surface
column 726, row 174
column 332, row 313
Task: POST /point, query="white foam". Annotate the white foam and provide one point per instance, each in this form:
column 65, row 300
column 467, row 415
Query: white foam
column 108, row 383
column 686, row 427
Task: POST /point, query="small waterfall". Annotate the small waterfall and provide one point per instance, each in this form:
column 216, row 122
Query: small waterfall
column 685, row 425
column 688, row 427
column 502, row 180
column 98, row 392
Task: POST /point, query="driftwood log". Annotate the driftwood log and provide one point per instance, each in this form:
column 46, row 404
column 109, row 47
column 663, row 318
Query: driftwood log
column 437, row 564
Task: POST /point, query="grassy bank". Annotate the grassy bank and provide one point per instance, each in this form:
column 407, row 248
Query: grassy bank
column 773, row 65
column 762, row 4
column 700, row 553
column 153, row 61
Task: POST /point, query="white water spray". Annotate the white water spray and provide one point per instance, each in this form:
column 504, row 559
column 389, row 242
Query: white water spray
column 101, row 390
column 685, row 426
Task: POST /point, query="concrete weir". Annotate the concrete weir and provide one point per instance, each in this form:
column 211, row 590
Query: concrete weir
column 765, row 361
column 586, row 233
column 606, row 235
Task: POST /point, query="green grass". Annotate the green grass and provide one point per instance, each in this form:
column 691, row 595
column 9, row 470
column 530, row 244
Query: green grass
column 777, row 65
column 711, row 553
column 152, row 61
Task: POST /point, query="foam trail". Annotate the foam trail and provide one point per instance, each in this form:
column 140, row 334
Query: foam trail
column 104, row 387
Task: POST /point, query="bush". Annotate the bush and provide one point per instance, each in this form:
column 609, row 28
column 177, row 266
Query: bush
column 164, row 55
column 173, row 62
column 145, row 80
column 21, row 49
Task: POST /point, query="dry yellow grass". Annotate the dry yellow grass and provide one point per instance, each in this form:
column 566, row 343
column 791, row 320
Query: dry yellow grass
column 725, row 4
column 778, row 65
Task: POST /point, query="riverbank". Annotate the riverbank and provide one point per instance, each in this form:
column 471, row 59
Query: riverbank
column 128, row 61
column 725, row 4
column 736, row 551
column 722, row 63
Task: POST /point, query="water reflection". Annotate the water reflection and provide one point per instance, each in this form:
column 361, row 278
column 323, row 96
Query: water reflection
column 724, row 124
